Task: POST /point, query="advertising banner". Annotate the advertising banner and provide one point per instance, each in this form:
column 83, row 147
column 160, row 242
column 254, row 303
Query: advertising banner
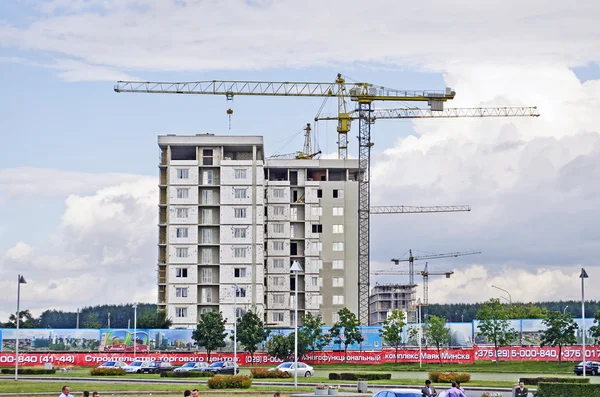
column 50, row 339
column 122, row 340
column 536, row 353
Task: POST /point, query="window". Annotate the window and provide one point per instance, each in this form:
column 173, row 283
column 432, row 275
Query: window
column 182, row 232
column 279, row 299
column 278, row 210
column 335, row 317
column 317, row 228
column 240, row 173
column 316, row 247
column 319, row 193
column 316, row 281
column 239, row 252
column 278, row 263
column 239, row 312
column 207, row 217
column 277, row 317
column 183, row 173
column 240, row 193
column 241, row 292
column 239, row 232
column 207, row 276
column 181, row 312
column 181, row 252
column 316, row 211
column 181, row 292
column 207, row 157
column 319, row 300
column 337, row 264
column 239, row 272
column 278, row 193
column 317, row 264
column 239, row 213
column 278, row 228
column 338, row 299
column 338, row 281
column 207, row 177
column 183, row 193
column 278, row 281
column 277, row 245
column 338, row 229
column 207, row 196
column 207, row 152
column 338, row 211
column 206, row 236
column 206, row 295
column 338, row 246
column 182, row 213
column 207, row 255
column 181, row 272
column 338, row 193
column 205, row 310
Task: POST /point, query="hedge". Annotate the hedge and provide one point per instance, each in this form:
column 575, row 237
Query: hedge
column 108, row 372
column 358, row 375
column 449, row 377
column 536, row 381
column 567, row 389
column 29, row 371
column 185, row 374
column 230, row 382
column 261, row 373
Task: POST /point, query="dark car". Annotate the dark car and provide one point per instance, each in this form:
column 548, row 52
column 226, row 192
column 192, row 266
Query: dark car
column 222, row 367
column 155, row 367
column 591, row 368
column 399, row 393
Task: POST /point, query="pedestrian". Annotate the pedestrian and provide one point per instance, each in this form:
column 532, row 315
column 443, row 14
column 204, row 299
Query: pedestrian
column 195, row 393
column 428, row 390
column 521, row 391
column 454, row 392
column 66, row 392
column 86, row 394
column 187, row 393
column 460, row 388
column 95, row 394
column 277, row 394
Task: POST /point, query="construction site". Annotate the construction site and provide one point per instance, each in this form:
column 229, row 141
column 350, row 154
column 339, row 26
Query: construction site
column 233, row 221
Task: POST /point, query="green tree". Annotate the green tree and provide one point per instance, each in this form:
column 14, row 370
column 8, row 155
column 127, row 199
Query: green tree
column 26, row 320
column 312, row 329
column 595, row 329
column 346, row 330
column 494, row 324
column 92, row 321
column 560, row 331
column 251, row 332
column 391, row 330
column 278, row 346
column 413, row 335
column 210, row 332
column 437, row 333
column 156, row 319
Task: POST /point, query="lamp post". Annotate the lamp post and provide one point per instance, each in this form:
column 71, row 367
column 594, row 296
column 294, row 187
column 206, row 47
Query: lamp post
column 420, row 335
column 296, row 268
column 235, row 292
column 134, row 330
column 20, row 280
column 583, row 276
column 502, row 289
column 565, row 310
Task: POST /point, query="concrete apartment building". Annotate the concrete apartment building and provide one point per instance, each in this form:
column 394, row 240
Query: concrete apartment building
column 229, row 217
column 387, row 297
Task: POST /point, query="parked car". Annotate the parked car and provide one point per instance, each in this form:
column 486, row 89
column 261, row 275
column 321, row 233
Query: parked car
column 191, row 367
column 399, row 393
column 155, row 367
column 591, row 367
column 134, row 367
column 222, row 367
column 113, row 364
column 303, row 369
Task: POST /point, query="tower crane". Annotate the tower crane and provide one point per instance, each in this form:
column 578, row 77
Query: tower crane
column 307, row 151
column 364, row 94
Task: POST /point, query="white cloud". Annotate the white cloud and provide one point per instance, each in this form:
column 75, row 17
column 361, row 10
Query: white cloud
column 104, row 250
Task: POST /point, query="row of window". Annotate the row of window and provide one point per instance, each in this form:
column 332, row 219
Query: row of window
column 238, row 173
column 182, row 312
column 241, row 212
column 238, row 232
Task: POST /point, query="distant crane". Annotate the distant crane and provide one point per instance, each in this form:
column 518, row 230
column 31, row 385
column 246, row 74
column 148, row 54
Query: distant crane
column 411, row 260
column 307, row 151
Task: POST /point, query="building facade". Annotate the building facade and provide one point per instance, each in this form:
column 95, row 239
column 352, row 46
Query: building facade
column 387, row 297
column 231, row 224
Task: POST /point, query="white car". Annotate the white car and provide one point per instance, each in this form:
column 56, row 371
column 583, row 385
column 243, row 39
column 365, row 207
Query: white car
column 191, row 367
column 113, row 364
column 303, row 369
column 134, row 367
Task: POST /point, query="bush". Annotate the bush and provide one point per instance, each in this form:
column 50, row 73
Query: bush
column 358, row 375
column 29, row 371
column 536, row 381
column 567, row 389
column 261, row 373
column 230, row 382
column 185, row 374
column 108, row 372
column 449, row 377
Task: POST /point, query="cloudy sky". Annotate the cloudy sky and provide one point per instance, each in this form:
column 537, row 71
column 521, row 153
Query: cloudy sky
column 78, row 171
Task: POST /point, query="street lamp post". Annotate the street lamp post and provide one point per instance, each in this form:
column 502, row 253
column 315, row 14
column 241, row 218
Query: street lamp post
column 20, row 280
column 583, row 276
column 420, row 336
column 565, row 310
column 235, row 292
column 134, row 331
column 296, row 268
column 502, row 289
